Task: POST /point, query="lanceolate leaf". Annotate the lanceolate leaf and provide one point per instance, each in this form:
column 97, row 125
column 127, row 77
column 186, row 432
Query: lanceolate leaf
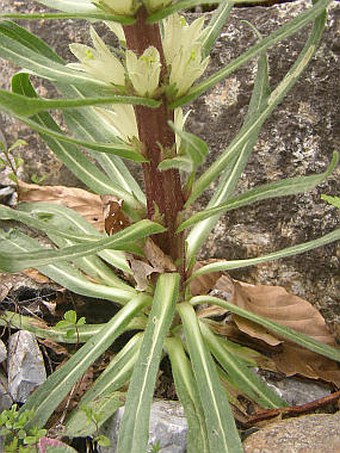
column 119, row 149
column 71, row 6
column 192, row 154
column 218, row 266
column 103, row 398
column 64, row 273
column 180, row 6
column 188, row 394
column 284, row 332
column 231, row 175
column 212, row 31
column 134, row 431
column 222, row 432
column 244, row 378
column 84, row 333
column 13, row 262
column 72, row 157
column 20, row 105
column 252, row 127
column 50, row 394
column 285, row 187
column 57, row 16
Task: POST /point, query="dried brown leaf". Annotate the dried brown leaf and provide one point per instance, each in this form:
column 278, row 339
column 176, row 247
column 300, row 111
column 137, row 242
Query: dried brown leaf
column 203, row 284
column 114, row 218
column 157, row 258
column 87, row 204
column 276, row 304
column 295, row 360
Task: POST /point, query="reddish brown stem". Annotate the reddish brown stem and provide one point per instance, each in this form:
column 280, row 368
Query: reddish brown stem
column 163, row 189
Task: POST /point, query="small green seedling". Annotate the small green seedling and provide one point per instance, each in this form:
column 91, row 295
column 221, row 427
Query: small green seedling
column 100, row 439
column 71, row 324
column 8, row 160
column 335, row 201
column 16, row 437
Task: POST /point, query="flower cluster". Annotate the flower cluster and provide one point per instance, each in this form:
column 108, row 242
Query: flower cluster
column 182, row 46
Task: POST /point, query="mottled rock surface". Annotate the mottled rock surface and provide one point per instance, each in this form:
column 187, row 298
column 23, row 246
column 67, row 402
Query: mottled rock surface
column 26, row 369
column 298, row 139
column 308, row 434
column 168, row 428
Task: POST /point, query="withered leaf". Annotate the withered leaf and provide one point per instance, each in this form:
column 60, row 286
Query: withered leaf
column 87, row 204
column 114, row 218
column 203, row 284
column 276, row 304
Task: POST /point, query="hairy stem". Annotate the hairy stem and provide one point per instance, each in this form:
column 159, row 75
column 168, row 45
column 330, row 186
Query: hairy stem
column 165, row 198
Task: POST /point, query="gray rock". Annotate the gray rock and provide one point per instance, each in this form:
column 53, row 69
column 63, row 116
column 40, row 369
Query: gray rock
column 294, row 391
column 168, row 427
column 3, row 351
column 308, row 434
column 26, row 369
column 5, row 398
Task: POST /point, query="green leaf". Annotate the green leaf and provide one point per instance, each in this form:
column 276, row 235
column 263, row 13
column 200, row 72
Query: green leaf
column 178, row 6
column 119, row 149
column 218, row 266
column 66, row 223
column 134, row 430
column 214, row 28
column 49, row 395
column 283, row 188
column 284, row 332
column 16, row 321
column 71, row 6
column 71, row 317
column 21, row 105
column 64, row 274
column 242, row 377
column 103, row 397
column 16, row 144
column 278, row 35
column 12, row 262
column 192, row 154
column 222, row 432
column 125, row 20
column 70, row 155
column 233, row 172
column 253, row 126
column 188, row 394
column 335, row 201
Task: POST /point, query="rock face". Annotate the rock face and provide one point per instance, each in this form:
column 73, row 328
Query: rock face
column 168, row 428
column 26, row 369
column 298, row 139
column 307, row 434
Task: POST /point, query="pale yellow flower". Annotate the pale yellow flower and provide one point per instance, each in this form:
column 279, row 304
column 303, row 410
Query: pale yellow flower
column 182, row 44
column 99, row 62
column 120, row 117
column 144, row 71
